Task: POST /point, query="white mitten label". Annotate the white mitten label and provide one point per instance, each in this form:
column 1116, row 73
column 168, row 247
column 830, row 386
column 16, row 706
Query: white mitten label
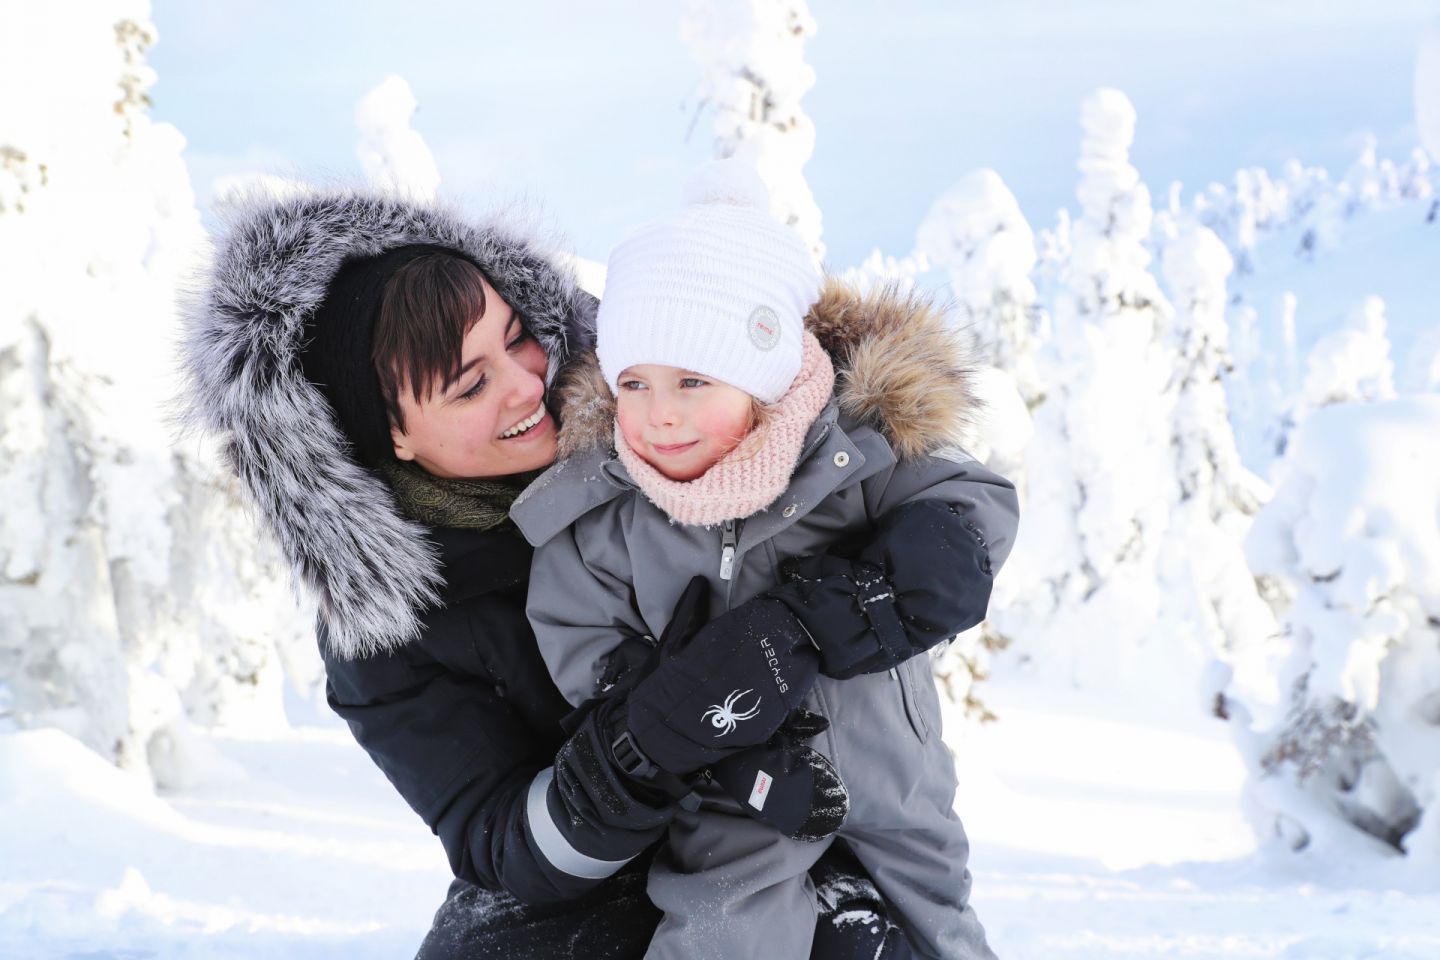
column 760, row 791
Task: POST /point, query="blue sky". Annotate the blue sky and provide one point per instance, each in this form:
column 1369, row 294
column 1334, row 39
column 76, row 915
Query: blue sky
column 586, row 107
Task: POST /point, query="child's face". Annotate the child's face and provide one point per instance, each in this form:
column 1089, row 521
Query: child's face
column 680, row 422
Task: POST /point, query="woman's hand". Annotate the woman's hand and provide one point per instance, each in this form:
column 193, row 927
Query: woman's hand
column 716, row 687
column 924, row 577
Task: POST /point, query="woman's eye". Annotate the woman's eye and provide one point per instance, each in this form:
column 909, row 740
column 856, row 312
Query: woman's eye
column 479, row 385
column 524, row 335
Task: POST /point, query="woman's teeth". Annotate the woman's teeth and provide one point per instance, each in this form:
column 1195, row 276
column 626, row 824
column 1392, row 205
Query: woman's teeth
column 524, row 425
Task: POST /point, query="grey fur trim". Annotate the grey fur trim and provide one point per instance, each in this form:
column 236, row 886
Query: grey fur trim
column 371, row 570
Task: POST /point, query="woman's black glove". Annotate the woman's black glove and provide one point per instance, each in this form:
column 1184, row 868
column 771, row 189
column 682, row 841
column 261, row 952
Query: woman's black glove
column 924, row 577
column 715, row 688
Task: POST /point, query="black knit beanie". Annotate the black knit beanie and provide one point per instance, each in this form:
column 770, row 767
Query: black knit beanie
column 339, row 340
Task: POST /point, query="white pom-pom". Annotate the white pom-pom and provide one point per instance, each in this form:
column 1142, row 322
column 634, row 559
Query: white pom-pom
column 731, row 182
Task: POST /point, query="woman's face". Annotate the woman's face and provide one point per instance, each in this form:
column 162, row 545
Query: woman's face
column 492, row 421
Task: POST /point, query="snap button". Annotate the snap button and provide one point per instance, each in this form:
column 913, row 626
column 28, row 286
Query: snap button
column 789, row 511
column 842, row 458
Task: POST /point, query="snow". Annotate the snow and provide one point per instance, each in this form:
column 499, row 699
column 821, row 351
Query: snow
column 300, row 850
column 1093, row 836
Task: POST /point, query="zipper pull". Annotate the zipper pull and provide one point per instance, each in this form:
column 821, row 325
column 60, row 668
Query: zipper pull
column 727, row 551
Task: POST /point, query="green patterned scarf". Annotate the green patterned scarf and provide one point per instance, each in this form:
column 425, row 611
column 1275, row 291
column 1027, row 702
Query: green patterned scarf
column 482, row 504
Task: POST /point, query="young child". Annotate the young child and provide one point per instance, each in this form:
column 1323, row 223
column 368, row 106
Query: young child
column 718, row 438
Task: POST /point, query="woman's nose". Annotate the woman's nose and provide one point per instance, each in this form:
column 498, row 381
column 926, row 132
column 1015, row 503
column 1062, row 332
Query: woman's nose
column 523, row 385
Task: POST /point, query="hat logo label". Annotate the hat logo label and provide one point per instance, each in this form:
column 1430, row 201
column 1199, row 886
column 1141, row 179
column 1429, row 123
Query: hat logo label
column 764, row 328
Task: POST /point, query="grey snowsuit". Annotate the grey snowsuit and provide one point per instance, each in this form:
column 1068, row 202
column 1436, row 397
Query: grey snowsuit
column 606, row 556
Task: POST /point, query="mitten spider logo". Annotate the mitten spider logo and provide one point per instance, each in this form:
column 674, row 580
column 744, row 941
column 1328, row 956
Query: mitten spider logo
column 723, row 717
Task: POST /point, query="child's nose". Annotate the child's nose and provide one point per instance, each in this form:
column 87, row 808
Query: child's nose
column 662, row 411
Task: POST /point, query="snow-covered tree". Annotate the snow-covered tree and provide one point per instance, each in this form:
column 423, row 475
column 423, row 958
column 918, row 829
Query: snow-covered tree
column 1305, row 200
column 1213, row 597
column 393, row 155
column 753, row 75
column 1352, row 363
column 977, row 234
column 1345, row 742
column 1195, row 268
column 879, row 268
column 1101, row 470
column 112, row 544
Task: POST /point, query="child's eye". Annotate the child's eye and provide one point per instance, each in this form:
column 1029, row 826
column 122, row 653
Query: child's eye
column 631, row 385
column 691, row 382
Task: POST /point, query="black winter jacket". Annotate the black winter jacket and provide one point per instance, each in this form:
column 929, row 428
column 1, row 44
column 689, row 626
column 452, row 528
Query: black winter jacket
column 465, row 718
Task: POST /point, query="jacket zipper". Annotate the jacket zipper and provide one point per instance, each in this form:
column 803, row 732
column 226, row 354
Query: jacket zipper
column 729, row 533
column 728, row 539
column 819, row 439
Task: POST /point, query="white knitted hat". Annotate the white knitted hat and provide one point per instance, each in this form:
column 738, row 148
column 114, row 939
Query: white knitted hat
column 720, row 288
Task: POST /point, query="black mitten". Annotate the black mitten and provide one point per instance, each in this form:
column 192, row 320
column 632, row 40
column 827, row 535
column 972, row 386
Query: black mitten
column 848, row 606
column 785, row 784
column 924, row 576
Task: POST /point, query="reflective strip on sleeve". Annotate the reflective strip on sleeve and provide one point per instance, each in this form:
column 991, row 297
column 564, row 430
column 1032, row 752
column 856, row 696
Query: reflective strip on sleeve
column 552, row 842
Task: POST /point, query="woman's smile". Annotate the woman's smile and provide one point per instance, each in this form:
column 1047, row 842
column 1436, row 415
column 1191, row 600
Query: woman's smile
column 530, row 427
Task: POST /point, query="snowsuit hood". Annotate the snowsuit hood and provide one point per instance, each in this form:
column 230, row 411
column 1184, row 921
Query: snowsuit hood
column 900, row 368
column 371, row 570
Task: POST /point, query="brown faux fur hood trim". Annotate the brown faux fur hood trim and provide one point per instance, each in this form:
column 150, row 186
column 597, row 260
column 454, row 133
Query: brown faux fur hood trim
column 899, row 366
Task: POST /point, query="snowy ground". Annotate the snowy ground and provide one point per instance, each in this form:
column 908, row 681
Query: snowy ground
column 1094, row 837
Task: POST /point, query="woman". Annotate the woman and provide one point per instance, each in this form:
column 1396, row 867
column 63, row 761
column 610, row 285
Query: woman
column 383, row 446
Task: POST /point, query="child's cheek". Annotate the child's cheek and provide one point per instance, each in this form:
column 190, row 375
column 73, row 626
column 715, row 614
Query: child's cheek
column 727, row 425
column 627, row 419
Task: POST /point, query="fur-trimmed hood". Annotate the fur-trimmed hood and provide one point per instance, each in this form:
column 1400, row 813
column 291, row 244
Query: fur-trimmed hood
column 900, row 367
column 371, row 570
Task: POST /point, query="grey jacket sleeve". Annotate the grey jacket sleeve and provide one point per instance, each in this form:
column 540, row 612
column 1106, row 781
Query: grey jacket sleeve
column 581, row 604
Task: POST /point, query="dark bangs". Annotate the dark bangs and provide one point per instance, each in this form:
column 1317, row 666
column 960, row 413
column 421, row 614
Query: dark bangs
column 428, row 307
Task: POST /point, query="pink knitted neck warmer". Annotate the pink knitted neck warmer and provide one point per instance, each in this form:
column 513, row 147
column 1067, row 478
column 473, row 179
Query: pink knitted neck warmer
column 753, row 475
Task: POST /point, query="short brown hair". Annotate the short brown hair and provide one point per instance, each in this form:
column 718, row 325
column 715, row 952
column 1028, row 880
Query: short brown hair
column 427, row 308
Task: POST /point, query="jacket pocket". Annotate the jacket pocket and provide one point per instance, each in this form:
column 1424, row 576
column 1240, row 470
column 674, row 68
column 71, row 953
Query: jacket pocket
column 908, row 677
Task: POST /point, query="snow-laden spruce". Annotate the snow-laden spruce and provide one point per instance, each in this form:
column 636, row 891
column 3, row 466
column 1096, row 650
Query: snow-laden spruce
column 976, row 233
column 753, row 75
column 1305, row 200
column 137, row 596
column 1345, row 738
column 393, row 155
column 1339, row 715
column 1090, row 602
